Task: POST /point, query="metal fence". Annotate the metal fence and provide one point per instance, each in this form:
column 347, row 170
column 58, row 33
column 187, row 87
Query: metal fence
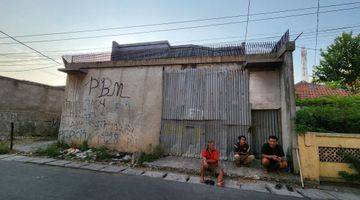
column 180, row 51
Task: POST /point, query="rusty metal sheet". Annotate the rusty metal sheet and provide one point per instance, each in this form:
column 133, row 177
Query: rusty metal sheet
column 265, row 123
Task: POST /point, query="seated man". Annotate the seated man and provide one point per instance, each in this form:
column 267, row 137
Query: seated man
column 242, row 154
column 273, row 157
column 210, row 162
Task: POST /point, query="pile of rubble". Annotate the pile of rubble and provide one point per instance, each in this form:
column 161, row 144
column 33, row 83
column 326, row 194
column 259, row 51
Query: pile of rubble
column 92, row 155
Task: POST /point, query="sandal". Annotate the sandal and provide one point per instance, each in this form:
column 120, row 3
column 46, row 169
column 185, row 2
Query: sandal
column 278, row 186
column 290, row 188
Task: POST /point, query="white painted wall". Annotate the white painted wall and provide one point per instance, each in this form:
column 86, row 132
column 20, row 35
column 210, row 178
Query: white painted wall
column 265, row 89
column 116, row 107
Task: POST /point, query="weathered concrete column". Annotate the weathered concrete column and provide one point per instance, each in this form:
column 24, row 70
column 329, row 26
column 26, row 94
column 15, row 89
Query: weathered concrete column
column 288, row 107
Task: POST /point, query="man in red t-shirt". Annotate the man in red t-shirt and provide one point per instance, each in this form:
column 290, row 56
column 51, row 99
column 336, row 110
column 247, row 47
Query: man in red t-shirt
column 210, row 162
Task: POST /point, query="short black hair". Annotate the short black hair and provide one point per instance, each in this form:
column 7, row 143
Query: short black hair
column 241, row 136
column 273, row 137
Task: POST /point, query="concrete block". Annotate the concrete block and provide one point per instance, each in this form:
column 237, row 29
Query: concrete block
column 194, row 179
column 75, row 164
column 18, row 158
column 315, row 194
column 5, row 156
column 231, row 184
column 282, row 191
column 60, row 163
column 131, row 171
column 41, row 160
column 344, row 195
column 26, row 159
column 113, row 169
column 258, row 187
column 155, row 174
column 177, row 177
column 13, row 158
column 94, row 166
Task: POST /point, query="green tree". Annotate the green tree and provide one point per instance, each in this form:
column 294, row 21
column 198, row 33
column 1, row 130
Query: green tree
column 340, row 63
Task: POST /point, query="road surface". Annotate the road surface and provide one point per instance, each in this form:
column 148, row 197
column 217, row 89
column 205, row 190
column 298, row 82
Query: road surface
column 31, row 181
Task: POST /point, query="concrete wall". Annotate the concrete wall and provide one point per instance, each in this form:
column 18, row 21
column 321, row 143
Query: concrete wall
column 320, row 155
column 265, row 89
column 34, row 108
column 117, row 107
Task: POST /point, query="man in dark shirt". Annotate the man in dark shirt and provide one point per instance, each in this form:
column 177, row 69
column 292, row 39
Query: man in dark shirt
column 273, row 157
column 242, row 152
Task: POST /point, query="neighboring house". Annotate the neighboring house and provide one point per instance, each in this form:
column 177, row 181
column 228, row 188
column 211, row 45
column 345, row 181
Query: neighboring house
column 146, row 94
column 34, row 108
column 304, row 90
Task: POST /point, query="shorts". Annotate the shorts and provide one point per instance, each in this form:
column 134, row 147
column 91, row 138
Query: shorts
column 213, row 169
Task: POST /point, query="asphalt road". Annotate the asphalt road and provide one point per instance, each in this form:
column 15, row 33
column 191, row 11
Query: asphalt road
column 37, row 182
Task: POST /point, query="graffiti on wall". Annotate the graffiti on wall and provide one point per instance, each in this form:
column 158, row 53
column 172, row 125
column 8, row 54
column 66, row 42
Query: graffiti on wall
column 101, row 115
column 29, row 123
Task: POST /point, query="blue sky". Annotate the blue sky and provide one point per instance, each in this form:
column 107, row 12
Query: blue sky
column 24, row 17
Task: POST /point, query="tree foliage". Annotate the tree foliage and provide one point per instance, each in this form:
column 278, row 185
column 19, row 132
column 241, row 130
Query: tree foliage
column 329, row 114
column 340, row 63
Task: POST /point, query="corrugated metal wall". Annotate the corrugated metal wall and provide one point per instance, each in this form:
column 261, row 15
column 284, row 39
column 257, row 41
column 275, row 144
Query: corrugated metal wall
column 203, row 104
column 265, row 123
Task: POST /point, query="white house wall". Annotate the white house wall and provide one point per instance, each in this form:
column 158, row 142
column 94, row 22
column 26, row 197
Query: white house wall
column 116, row 107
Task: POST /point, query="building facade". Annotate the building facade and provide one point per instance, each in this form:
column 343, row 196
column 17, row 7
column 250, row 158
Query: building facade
column 148, row 94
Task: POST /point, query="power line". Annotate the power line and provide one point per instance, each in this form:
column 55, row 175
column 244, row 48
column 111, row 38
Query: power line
column 182, row 28
column 247, row 20
column 183, row 21
column 217, row 38
column 269, row 36
column 29, row 47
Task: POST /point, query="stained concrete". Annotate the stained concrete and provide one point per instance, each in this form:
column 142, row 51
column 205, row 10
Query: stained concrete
column 177, row 177
column 194, row 179
column 5, row 156
column 282, row 191
column 155, row 174
column 131, row 171
column 231, row 184
column 93, row 166
column 344, row 196
column 264, row 89
column 60, row 163
column 75, row 164
column 13, row 157
column 113, row 169
column 26, row 159
column 41, row 160
column 315, row 194
column 34, row 108
column 257, row 186
column 192, row 165
column 27, row 148
column 107, row 107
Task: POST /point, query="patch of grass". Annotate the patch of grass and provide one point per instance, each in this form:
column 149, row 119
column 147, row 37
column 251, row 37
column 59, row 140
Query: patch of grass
column 4, row 147
column 84, row 146
column 156, row 153
column 52, row 151
column 101, row 153
column 62, row 145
